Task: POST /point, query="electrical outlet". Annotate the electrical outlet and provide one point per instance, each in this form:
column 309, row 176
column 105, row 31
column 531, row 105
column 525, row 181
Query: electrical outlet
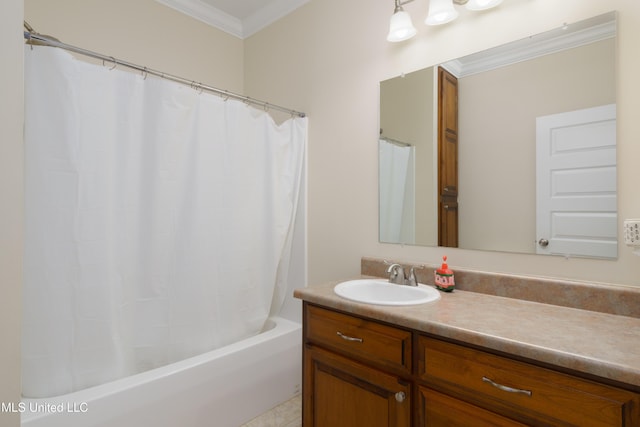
column 632, row 232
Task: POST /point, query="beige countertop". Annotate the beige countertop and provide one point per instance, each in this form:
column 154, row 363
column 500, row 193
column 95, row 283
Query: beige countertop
column 600, row 344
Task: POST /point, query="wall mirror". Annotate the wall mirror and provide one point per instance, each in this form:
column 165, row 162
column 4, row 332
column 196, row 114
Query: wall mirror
column 511, row 149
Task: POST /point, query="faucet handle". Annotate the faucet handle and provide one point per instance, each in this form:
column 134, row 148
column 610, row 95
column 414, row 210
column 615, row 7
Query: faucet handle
column 413, row 280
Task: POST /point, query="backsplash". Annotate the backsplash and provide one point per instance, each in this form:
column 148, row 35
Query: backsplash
column 618, row 300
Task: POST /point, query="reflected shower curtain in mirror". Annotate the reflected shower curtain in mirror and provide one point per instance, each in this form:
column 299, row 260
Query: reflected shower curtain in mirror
column 158, row 221
column 397, row 192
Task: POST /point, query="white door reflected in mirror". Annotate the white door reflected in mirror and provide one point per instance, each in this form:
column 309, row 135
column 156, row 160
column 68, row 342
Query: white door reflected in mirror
column 576, row 183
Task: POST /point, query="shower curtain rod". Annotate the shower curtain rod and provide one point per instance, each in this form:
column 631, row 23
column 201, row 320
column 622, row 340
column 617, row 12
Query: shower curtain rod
column 35, row 38
column 395, row 141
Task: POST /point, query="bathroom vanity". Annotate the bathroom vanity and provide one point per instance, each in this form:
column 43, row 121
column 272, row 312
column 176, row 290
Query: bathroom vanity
column 467, row 359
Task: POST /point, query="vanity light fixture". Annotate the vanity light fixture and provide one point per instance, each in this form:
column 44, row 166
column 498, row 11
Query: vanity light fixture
column 440, row 12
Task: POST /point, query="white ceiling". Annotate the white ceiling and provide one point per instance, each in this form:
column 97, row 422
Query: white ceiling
column 240, row 18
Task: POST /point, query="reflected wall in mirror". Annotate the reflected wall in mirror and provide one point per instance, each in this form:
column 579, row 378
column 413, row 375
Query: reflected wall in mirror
column 536, row 170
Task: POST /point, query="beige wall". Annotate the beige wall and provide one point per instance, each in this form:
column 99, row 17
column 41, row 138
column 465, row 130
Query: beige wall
column 328, row 57
column 11, row 194
column 146, row 33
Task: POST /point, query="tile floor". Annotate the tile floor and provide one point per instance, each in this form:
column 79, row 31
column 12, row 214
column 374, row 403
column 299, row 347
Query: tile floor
column 288, row 414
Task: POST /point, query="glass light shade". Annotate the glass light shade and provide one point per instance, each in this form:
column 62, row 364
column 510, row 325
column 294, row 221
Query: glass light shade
column 441, row 12
column 482, row 4
column 401, row 28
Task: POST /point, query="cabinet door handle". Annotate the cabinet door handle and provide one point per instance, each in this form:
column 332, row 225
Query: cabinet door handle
column 348, row 338
column 506, row 388
column 400, row 396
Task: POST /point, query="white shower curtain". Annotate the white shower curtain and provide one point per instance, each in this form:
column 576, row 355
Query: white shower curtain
column 158, row 221
column 397, row 192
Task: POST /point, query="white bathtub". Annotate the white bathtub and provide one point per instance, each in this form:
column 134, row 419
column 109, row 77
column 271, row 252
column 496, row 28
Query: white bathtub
column 222, row 388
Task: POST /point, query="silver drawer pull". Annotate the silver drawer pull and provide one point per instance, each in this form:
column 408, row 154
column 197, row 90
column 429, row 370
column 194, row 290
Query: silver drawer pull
column 348, row 338
column 505, row 388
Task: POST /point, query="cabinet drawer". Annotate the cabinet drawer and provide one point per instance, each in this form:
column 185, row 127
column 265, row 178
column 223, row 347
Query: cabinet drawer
column 523, row 391
column 364, row 339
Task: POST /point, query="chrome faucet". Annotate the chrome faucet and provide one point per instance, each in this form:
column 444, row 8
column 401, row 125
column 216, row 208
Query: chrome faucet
column 397, row 274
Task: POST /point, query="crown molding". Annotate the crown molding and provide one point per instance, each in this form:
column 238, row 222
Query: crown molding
column 270, row 13
column 207, row 14
column 261, row 18
column 556, row 40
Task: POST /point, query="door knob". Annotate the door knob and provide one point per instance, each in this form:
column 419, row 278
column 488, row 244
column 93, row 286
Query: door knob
column 543, row 242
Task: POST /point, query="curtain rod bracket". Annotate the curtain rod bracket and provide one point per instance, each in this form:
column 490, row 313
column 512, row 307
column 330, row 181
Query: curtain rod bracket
column 28, row 27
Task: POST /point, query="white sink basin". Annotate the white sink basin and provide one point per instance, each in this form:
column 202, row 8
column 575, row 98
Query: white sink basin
column 381, row 292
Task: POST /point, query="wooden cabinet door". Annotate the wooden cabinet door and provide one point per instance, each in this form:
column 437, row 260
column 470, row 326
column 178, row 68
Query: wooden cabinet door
column 447, row 159
column 339, row 392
